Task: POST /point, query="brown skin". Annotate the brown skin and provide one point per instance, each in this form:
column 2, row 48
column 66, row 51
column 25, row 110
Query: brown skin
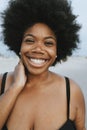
column 39, row 98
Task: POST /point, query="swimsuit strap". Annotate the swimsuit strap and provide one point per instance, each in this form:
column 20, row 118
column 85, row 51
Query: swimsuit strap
column 3, row 83
column 2, row 91
column 68, row 96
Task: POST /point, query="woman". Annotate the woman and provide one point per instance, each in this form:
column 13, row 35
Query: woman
column 41, row 33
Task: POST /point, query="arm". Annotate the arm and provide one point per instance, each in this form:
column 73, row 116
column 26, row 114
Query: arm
column 80, row 114
column 7, row 100
column 80, row 108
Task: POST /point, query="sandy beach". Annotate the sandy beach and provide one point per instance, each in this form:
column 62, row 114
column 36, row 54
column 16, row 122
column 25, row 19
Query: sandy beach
column 74, row 67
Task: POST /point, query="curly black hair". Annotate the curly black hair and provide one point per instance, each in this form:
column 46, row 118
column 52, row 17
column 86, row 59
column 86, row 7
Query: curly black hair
column 57, row 14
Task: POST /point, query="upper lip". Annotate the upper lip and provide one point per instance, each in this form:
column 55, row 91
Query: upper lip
column 37, row 57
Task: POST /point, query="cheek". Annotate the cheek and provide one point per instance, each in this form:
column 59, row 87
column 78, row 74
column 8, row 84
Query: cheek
column 24, row 48
column 53, row 52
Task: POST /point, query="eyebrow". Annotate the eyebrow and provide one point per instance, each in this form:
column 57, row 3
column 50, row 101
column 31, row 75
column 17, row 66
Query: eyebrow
column 48, row 37
column 28, row 35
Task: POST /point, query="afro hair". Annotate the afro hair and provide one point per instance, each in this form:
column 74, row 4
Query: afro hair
column 57, row 14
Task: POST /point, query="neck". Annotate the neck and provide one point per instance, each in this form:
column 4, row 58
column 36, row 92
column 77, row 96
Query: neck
column 38, row 79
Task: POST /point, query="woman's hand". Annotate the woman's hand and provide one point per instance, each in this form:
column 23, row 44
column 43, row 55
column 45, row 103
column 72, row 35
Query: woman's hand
column 19, row 76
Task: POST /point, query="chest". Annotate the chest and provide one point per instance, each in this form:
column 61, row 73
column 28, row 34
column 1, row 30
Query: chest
column 45, row 109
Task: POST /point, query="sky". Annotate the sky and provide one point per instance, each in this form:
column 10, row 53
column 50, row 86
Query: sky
column 79, row 8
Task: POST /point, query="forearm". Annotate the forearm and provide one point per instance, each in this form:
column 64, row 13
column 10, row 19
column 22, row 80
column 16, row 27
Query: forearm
column 7, row 101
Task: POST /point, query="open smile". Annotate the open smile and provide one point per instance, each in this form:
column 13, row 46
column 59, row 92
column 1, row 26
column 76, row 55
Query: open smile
column 37, row 62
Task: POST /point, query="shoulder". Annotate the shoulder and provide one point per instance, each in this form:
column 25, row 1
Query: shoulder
column 76, row 92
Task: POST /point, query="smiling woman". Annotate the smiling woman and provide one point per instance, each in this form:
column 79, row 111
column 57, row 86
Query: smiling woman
column 41, row 33
column 38, row 49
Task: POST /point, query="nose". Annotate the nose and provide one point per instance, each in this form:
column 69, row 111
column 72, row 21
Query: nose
column 38, row 48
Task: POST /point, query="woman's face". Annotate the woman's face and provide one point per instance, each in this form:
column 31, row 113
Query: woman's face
column 38, row 49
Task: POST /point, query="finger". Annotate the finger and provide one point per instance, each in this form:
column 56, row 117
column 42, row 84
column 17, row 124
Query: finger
column 20, row 62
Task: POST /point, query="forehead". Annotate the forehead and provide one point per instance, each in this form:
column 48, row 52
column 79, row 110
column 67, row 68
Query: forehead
column 40, row 29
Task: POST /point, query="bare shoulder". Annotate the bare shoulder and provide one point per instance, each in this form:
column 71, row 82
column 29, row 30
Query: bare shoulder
column 76, row 92
column 75, row 89
column 8, row 80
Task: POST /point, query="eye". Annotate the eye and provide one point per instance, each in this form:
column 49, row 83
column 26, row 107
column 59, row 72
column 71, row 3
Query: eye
column 28, row 40
column 49, row 43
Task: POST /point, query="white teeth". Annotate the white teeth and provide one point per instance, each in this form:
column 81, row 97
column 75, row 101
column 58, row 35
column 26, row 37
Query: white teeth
column 37, row 61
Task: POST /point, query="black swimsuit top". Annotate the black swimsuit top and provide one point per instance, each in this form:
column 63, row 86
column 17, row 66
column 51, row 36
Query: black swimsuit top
column 69, row 124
